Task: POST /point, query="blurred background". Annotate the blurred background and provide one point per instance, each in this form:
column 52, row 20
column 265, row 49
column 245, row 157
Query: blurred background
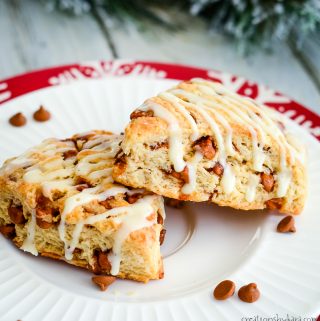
column 273, row 42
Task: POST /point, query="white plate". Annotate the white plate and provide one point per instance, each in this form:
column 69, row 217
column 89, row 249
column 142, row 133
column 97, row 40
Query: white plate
column 204, row 245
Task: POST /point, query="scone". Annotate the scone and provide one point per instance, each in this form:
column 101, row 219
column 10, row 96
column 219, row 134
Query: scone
column 59, row 200
column 201, row 142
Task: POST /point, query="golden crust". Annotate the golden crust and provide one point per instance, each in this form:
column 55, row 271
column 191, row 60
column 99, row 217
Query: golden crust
column 145, row 159
column 70, row 181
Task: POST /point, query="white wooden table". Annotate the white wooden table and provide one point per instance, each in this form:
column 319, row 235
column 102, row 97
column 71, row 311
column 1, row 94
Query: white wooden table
column 32, row 38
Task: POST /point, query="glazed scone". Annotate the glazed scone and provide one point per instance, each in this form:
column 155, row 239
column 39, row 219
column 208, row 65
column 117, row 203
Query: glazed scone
column 59, row 200
column 201, row 142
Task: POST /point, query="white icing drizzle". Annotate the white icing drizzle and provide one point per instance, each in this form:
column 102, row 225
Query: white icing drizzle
column 284, row 176
column 228, row 179
column 19, row 162
column 28, row 244
column 94, row 163
column 176, row 102
column 253, row 182
column 228, row 134
column 266, row 124
column 61, row 185
column 197, row 102
column 37, row 176
column 240, row 117
column 100, row 174
column 161, row 210
column 135, row 218
column 211, row 103
column 192, row 172
column 175, row 133
column 69, row 249
column 109, row 144
column 86, row 196
column 299, row 149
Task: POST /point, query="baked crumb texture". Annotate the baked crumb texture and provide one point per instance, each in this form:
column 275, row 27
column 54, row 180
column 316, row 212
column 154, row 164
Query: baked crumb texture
column 201, row 142
column 59, row 200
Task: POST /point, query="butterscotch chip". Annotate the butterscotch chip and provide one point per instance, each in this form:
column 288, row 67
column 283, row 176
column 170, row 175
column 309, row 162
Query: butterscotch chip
column 7, row 231
column 184, row 175
column 160, row 219
column 69, row 153
column 103, row 261
column 205, row 146
column 140, row 113
column 267, row 181
column 174, row 203
column 162, row 235
column 103, row 281
column 41, row 114
column 159, row 145
column 16, row 215
column 286, row 225
column 133, row 198
column 274, row 203
column 218, row 169
column 120, row 160
column 81, row 187
column 224, row 290
column 249, row 293
column 18, row 120
column 107, row 204
column 44, row 218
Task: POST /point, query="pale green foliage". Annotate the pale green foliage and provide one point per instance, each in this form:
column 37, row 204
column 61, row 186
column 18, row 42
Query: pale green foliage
column 252, row 23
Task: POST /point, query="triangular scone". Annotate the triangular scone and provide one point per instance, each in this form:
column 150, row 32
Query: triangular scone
column 200, row 142
column 59, row 200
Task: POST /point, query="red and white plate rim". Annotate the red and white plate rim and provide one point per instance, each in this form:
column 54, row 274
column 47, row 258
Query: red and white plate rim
column 16, row 86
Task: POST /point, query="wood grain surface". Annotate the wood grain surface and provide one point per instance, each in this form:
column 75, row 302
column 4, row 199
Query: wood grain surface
column 31, row 38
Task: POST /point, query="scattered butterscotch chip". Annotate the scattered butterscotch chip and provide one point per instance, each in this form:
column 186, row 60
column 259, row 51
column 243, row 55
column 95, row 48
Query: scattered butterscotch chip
column 249, row 293
column 103, row 281
column 41, row 114
column 18, row 120
column 286, row 225
column 224, row 290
